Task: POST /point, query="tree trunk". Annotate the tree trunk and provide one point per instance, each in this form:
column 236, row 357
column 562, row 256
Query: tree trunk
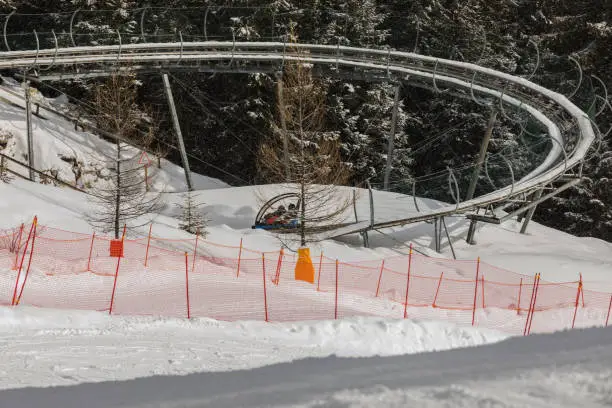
column 303, row 217
column 118, row 191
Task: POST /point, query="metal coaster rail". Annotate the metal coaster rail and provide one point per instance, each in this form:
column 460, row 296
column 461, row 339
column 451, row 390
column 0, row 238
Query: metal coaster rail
column 570, row 129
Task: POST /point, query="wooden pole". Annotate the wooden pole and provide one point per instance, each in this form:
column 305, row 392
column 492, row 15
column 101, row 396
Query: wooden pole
column 148, row 244
column 483, row 290
column 239, row 258
column 577, row 301
column 112, row 302
column 475, row 291
column 438, row 290
column 408, row 282
column 535, row 299
column 535, row 279
column 382, row 268
column 25, row 279
column 93, row 237
column 25, row 249
column 319, row 276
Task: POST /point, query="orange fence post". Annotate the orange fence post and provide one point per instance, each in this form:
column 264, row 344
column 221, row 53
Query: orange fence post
column 278, row 266
column 437, row 290
column 187, row 284
column 483, row 288
column 263, row 263
column 25, row 249
column 239, row 257
column 319, row 276
column 93, row 237
column 535, row 279
column 582, row 291
column 382, row 268
column 112, row 301
column 577, row 301
column 518, row 303
column 336, row 300
column 609, row 307
column 408, row 282
column 195, row 252
column 148, row 244
column 535, row 299
column 25, row 279
column 475, row 291
column 18, row 246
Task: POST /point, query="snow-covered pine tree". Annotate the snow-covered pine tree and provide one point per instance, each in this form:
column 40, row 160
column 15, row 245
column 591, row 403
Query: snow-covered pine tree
column 124, row 199
column 311, row 166
column 192, row 218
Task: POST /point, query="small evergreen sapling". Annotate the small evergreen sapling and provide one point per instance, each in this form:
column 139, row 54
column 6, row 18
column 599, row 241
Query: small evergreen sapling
column 192, row 218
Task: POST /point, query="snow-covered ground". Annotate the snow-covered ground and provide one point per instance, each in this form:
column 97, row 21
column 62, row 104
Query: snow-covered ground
column 565, row 369
column 62, row 347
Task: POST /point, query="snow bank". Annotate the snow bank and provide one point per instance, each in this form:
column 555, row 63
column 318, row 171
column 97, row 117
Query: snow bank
column 58, row 347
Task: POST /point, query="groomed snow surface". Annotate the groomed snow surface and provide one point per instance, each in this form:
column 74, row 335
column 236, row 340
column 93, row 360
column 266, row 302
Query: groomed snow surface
column 45, row 347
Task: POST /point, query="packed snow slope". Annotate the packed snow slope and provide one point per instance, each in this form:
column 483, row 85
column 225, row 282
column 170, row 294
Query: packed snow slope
column 565, row 369
column 44, row 347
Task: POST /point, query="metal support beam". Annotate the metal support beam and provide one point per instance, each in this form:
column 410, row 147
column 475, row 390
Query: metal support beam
column 541, row 199
column 391, row 141
column 483, row 218
column 437, row 233
column 450, row 243
column 28, row 104
column 177, row 129
column 371, row 195
column 366, row 239
column 481, row 158
column 280, row 100
column 536, row 196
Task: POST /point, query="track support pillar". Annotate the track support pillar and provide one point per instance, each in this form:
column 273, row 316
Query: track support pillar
column 391, row 141
column 481, row 157
column 177, row 129
column 30, row 135
column 536, row 196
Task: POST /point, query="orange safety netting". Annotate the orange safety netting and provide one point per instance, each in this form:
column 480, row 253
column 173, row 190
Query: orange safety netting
column 48, row 267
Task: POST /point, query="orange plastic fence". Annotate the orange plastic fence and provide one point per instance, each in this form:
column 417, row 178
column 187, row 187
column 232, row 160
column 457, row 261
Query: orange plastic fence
column 48, row 267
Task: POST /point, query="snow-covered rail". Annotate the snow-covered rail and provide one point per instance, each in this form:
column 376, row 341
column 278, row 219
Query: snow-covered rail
column 569, row 128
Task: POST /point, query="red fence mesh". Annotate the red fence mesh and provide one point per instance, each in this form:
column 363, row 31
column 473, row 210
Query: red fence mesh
column 48, row 267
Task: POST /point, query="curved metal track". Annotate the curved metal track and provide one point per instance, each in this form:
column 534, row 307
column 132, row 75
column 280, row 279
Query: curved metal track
column 569, row 128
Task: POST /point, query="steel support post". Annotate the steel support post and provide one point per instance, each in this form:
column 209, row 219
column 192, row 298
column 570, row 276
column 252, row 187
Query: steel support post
column 450, row 243
column 177, row 129
column 472, row 230
column 481, row 157
column 280, row 100
column 391, row 141
column 437, row 228
column 536, row 196
column 30, row 135
column 366, row 239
